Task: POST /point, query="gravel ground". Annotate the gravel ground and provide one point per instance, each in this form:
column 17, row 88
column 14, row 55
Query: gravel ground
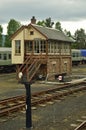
column 58, row 116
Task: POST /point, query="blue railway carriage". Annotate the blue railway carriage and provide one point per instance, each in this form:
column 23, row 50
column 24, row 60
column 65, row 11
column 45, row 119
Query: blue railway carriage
column 76, row 57
column 83, row 55
column 5, row 59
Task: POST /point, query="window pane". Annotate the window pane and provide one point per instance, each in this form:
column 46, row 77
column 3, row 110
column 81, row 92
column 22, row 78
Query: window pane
column 4, row 57
column 17, row 46
column 31, row 32
column 29, row 47
column 36, row 46
column 42, row 46
column 9, row 56
column 39, row 46
column 0, row 56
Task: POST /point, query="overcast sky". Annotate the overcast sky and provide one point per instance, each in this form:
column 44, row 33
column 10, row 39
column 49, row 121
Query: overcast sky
column 71, row 13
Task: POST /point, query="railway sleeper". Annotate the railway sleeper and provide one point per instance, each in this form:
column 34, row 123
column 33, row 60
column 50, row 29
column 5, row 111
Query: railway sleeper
column 11, row 110
column 82, row 126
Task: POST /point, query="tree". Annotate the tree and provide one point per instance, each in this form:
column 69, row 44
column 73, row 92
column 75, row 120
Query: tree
column 46, row 23
column 12, row 27
column 41, row 23
column 49, row 23
column 73, row 44
column 58, row 26
column 80, row 38
column 68, row 33
column 1, row 30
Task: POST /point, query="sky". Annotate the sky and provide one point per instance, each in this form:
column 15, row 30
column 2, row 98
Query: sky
column 70, row 13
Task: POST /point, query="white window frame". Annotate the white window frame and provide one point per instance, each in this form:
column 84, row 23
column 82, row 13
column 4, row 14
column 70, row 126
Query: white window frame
column 17, row 46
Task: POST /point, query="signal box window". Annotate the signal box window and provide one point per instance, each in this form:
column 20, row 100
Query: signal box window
column 31, row 32
column 29, row 47
column 40, row 46
column 17, row 47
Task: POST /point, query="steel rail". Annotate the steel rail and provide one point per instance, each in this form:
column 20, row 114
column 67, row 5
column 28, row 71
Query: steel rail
column 82, row 126
column 11, row 99
column 40, row 99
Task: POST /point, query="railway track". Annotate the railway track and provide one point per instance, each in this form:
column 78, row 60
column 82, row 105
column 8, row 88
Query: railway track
column 82, row 126
column 14, row 104
column 7, row 76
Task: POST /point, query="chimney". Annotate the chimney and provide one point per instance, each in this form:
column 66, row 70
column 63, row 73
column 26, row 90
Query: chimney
column 33, row 20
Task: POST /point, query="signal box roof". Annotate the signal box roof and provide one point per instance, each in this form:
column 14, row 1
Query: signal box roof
column 49, row 33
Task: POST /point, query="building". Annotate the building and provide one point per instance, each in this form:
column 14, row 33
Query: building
column 41, row 51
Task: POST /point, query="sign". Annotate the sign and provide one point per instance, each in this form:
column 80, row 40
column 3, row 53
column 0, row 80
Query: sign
column 20, row 75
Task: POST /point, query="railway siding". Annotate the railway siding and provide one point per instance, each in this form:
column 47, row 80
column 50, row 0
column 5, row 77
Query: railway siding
column 14, row 104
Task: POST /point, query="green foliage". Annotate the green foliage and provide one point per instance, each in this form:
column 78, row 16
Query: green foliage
column 46, row 23
column 41, row 23
column 74, row 45
column 68, row 33
column 49, row 23
column 58, row 26
column 80, row 38
column 1, row 30
column 12, row 27
column 7, row 41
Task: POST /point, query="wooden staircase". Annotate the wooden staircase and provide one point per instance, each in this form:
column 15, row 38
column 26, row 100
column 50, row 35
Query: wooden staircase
column 30, row 67
column 33, row 68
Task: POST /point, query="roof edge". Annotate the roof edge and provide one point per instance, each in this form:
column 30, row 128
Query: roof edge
column 37, row 29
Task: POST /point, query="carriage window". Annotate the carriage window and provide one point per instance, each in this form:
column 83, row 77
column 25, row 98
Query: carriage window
column 4, row 57
column 9, row 56
column 73, row 54
column 17, row 46
column 0, row 56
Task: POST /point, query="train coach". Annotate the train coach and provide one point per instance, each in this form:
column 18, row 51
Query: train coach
column 83, row 56
column 5, row 60
column 78, row 56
